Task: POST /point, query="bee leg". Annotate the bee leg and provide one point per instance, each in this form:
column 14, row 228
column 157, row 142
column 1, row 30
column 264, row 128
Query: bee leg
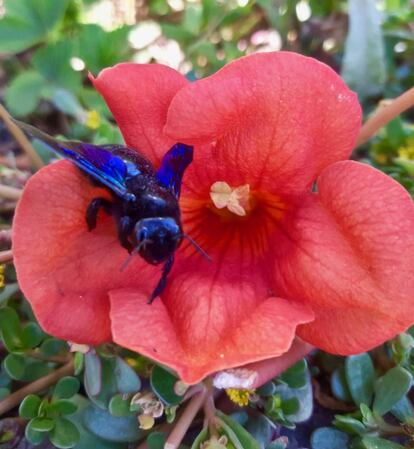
column 163, row 281
column 93, row 209
column 125, row 226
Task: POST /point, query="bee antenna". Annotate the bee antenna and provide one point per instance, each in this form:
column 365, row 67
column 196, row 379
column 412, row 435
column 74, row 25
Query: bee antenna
column 134, row 252
column 197, row 247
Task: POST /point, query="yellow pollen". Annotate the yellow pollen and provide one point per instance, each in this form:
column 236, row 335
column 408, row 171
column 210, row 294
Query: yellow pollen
column 93, row 119
column 2, row 268
column 239, row 397
column 235, row 199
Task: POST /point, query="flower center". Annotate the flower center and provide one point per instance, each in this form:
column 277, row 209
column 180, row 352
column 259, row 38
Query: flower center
column 235, row 199
column 236, row 220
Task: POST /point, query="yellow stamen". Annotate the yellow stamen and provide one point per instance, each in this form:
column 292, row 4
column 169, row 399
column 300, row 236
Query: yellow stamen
column 235, row 199
column 239, row 397
column 2, row 279
column 93, row 119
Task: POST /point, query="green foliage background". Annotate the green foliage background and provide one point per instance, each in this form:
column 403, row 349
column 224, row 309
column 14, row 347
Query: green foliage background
column 47, row 48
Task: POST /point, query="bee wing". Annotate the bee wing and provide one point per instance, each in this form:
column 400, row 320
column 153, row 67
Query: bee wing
column 173, row 165
column 98, row 162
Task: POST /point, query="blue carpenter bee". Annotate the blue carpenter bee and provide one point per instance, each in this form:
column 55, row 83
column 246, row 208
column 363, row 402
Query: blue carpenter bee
column 144, row 201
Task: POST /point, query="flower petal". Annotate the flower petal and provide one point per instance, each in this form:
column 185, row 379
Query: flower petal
column 63, row 269
column 275, row 119
column 210, row 319
column 139, row 96
column 349, row 254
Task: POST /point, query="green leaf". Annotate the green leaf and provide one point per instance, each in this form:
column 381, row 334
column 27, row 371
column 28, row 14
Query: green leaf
column 7, row 292
column 53, row 62
column 63, row 407
column 119, row 429
column 79, row 360
column 304, row 395
column 10, row 329
column 119, row 406
column 403, row 410
column 379, row 443
column 328, row 438
column 65, row 434
column 268, row 389
column 66, row 388
column 296, row 375
column 290, row 406
column 25, row 368
column 349, row 425
column 35, row 437
column 115, row 377
column 261, row 429
column 24, row 93
column 162, row 383
column 42, row 424
column 28, row 22
column 247, row 441
column 339, row 385
column 364, row 59
column 66, row 102
column 34, row 369
column 360, row 376
column 156, row 440
column 52, row 346
column 29, row 407
column 200, row 438
column 32, row 335
column 391, row 388
column 193, row 16
column 99, row 48
column 15, row 366
column 126, row 378
column 93, row 374
column 87, row 439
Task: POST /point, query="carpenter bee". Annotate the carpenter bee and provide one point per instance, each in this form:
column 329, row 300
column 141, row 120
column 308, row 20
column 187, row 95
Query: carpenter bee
column 144, row 201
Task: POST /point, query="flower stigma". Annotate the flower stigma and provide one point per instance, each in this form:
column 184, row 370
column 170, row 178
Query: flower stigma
column 235, row 199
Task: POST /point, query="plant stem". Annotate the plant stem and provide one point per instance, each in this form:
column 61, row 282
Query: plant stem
column 6, row 256
column 384, row 115
column 210, row 413
column 35, row 387
column 10, row 193
column 54, row 358
column 21, row 139
column 185, row 420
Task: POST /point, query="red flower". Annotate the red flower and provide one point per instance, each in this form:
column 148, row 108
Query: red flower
column 333, row 266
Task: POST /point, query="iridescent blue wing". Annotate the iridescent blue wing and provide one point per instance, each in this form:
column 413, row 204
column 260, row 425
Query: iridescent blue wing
column 173, row 166
column 100, row 163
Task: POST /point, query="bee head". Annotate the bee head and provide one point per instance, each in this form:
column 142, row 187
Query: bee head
column 157, row 238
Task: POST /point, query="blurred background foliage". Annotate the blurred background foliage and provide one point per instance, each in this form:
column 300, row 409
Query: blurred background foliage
column 47, row 50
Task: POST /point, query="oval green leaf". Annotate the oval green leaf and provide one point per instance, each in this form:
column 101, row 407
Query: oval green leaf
column 29, row 407
column 162, row 383
column 328, row 438
column 66, row 388
column 65, row 434
column 360, row 376
column 390, row 389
